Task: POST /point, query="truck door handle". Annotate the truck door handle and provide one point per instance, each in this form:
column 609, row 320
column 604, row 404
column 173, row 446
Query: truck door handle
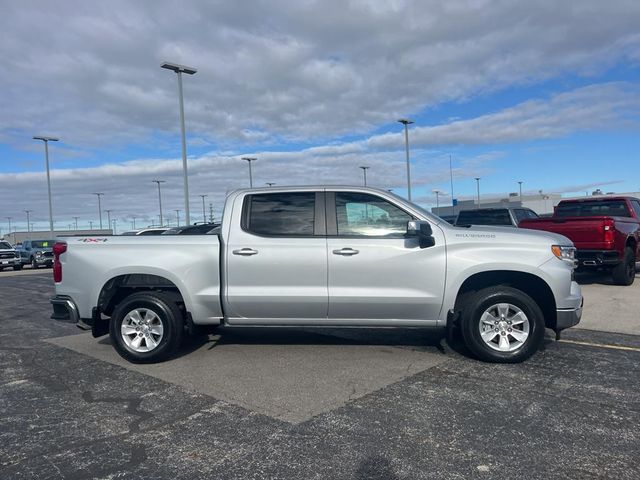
column 247, row 252
column 347, row 252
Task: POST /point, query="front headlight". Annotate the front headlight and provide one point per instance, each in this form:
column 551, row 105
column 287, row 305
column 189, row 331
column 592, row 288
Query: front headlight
column 566, row 254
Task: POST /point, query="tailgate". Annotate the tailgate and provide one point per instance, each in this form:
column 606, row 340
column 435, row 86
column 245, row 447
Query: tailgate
column 584, row 232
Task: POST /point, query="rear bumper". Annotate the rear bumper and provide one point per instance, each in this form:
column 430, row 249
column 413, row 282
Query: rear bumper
column 568, row 317
column 65, row 309
column 597, row 258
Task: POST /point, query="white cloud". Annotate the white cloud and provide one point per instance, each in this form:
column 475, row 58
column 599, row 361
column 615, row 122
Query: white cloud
column 306, row 70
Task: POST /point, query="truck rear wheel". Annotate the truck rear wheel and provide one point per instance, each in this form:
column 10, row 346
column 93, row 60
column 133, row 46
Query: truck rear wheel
column 625, row 272
column 502, row 325
column 146, row 327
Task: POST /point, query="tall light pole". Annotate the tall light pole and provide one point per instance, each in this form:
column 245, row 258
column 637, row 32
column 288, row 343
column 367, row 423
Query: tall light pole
column 453, row 200
column 114, row 226
column 28, row 212
column 249, row 160
column 159, row 197
column 76, row 222
column 437, row 192
column 180, row 69
column 520, row 184
column 177, row 217
column 406, row 122
column 364, row 172
column 204, row 212
column 98, row 194
column 134, row 221
column 109, row 217
column 46, row 141
column 90, row 224
column 9, row 218
column 478, row 184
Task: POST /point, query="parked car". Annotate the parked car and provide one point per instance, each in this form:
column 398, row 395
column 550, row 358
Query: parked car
column 9, row 257
column 37, row 253
column 605, row 231
column 508, row 217
column 321, row 256
column 146, row 231
column 197, row 229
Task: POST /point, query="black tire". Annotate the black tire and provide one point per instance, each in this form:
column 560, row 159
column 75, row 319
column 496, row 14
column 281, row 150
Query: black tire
column 625, row 272
column 471, row 322
column 17, row 267
column 168, row 314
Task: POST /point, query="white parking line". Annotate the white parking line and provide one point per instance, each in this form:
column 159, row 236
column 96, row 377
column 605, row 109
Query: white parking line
column 602, row 345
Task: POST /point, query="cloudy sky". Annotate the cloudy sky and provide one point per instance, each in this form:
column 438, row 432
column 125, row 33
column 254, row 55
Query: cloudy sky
column 545, row 92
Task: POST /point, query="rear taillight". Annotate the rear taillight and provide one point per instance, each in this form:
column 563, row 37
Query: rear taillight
column 58, row 249
column 609, row 232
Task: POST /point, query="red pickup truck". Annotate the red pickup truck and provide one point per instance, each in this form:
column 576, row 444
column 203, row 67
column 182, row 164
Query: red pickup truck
column 605, row 231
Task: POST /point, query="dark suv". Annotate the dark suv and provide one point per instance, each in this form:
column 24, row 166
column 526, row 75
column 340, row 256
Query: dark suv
column 509, row 217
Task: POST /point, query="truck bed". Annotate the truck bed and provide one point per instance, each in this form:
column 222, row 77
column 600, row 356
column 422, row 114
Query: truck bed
column 190, row 262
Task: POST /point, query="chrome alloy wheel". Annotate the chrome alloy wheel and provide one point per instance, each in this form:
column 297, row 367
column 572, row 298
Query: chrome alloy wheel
column 141, row 330
column 504, row 327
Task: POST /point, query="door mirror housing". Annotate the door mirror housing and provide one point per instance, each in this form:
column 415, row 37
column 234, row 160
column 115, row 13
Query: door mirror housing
column 422, row 231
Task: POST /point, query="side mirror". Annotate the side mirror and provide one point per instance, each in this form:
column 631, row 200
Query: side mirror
column 421, row 230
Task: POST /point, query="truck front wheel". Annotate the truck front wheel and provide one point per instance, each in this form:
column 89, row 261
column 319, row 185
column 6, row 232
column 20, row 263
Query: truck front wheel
column 502, row 324
column 146, row 327
column 625, row 272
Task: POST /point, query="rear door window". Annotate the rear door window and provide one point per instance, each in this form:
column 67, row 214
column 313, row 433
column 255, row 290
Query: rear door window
column 636, row 207
column 287, row 214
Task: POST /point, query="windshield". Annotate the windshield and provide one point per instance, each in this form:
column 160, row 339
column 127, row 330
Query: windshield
column 42, row 244
column 5, row 246
column 498, row 216
column 610, row 208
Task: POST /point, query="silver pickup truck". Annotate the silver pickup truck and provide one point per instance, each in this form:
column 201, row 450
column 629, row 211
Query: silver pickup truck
column 321, row 256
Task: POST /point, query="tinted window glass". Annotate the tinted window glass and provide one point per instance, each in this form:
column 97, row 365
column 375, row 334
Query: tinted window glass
column 520, row 214
column 612, row 208
column 636, row 206
column 367, row 215
column 499, row 216
column 5, row 246
column 151, row 232
column 282, row 214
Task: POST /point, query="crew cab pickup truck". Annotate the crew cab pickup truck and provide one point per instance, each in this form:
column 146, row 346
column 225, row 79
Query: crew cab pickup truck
column 605, row 231
column 36, row 253
column 321, row 256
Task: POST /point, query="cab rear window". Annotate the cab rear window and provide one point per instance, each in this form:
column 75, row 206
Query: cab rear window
column 608, row 208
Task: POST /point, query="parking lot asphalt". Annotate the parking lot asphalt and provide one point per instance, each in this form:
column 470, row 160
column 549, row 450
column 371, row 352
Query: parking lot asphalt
column 287, row 403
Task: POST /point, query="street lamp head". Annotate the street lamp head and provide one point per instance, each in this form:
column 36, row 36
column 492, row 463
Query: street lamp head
column 478, row 178
column 405, row 121
column 158, row 181
column 46, row 139
column 249, row 159
column 364, row 167
column 179, row 68
column 97, row 193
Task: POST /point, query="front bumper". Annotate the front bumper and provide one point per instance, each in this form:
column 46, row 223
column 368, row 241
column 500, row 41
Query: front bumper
column 48, row 261
column 568, row 317
column 10, row 262
column 65, row 309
